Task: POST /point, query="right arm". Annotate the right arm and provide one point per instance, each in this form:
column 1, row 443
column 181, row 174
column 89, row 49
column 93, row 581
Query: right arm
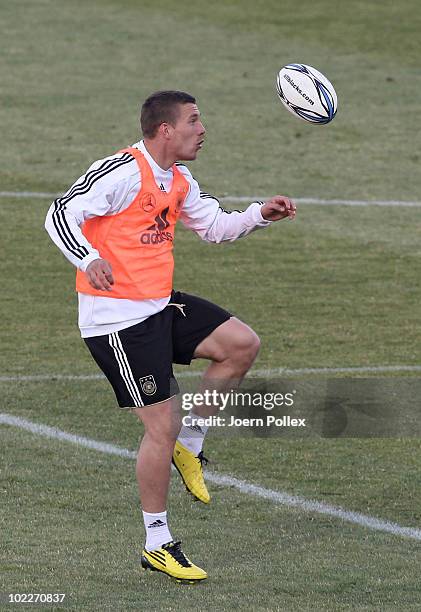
column 105, row 189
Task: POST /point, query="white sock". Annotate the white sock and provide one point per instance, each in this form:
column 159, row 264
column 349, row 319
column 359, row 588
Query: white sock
column 157, row 532
column 192, row 435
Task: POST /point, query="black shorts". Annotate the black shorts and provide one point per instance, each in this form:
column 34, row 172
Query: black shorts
column 138, row 360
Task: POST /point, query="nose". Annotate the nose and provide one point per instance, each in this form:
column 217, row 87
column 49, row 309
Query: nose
column 202, row 130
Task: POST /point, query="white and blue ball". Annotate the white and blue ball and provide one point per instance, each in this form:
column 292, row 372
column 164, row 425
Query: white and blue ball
column 307, row 93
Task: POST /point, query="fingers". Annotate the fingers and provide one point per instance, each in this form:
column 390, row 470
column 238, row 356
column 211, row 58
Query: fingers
column 279, row 207
column 100, row 275
column 286, row 206
column 292, row 211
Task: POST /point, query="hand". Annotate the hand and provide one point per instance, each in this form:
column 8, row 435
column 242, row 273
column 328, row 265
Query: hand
column 100, row 275
column 278, row 207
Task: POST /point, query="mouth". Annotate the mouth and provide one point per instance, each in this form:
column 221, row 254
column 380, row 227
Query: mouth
column 200, row 144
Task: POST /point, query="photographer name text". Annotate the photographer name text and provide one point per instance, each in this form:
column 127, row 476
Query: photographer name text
column 269, row 420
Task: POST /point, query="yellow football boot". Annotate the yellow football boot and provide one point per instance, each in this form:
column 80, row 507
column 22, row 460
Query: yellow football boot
column 190, row 468
column 171, row 560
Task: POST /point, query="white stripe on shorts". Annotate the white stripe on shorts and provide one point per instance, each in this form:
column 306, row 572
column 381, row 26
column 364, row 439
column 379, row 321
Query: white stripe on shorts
column 124, row 367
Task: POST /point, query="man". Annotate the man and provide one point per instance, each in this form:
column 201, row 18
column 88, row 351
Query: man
column 116, row 224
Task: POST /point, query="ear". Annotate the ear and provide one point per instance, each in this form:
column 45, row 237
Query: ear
column 166, row 130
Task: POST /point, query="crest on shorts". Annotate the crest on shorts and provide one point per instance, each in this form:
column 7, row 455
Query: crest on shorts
column 148, row 384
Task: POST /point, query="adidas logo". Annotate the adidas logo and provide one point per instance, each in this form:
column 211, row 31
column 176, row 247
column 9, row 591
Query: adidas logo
column 161, row 222
column 196, row 428
column 157, row 523
column 156, row 233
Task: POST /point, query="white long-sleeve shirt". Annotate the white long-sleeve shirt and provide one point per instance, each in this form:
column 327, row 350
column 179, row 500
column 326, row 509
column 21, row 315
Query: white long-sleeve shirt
column 109, row 187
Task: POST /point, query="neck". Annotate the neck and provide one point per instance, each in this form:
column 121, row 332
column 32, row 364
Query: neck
column 159, row 153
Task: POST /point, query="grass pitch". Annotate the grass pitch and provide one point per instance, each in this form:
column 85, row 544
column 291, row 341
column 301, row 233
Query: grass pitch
column 339, row 287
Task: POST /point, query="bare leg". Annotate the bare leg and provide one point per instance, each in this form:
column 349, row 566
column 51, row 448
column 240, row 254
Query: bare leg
column 232, row 347
column 153, row 466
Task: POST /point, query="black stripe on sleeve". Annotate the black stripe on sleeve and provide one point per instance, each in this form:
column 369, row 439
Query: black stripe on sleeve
column 78, row 251
column 228, row 212
column 65, row 233
column 58, row 216
column 207, row 196
column 93, row 175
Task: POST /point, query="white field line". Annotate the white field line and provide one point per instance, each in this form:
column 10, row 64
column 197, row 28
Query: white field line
column 277, row 497
column 326, row 202
column 251, row 374
column 33, row 195
column 240, row 199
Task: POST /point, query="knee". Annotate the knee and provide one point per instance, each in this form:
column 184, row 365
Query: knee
column 244, row 348
column 159, row 430
column 233, row 343
column 161, row 439
column 252, row 346
column 164, row 434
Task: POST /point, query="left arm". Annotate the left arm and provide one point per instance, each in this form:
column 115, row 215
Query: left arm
column 203, row 214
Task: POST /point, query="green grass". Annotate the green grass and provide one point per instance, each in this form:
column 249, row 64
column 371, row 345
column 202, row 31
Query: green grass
column 339, row 287
column 75, row 73
column 78, row 531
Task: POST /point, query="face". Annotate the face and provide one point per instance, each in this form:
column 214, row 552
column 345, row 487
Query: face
column 188, row 134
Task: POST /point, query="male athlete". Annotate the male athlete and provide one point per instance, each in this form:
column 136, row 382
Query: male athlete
column 116, row 225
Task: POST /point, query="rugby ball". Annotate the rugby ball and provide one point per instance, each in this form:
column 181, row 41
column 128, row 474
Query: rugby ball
column 307, row 93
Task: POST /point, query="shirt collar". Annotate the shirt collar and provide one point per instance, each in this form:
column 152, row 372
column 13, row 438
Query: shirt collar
column 157, row 169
